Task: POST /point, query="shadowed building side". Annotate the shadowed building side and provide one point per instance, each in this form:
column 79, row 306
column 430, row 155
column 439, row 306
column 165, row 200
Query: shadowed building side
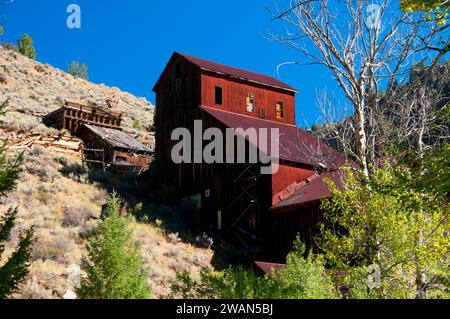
column 235, row 197
column 114, row 149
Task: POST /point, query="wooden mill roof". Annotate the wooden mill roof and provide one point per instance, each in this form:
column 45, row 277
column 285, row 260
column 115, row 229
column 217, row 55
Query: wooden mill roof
column 118, row 138
column 238, row 73
column 313, row 190
column 295, row 144
column 234, row 72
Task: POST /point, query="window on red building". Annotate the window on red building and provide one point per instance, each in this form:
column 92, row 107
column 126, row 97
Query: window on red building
column 218, row 96
column 280, row 110
column 250, row 102
column 262, row 114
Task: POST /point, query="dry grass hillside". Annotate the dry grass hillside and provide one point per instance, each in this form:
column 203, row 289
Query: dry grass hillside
column 63, row 200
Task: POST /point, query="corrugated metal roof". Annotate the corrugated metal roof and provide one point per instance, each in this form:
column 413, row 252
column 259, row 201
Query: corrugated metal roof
column 313, row 191
column 238, row 73
column 295, row 144
column 118, row 138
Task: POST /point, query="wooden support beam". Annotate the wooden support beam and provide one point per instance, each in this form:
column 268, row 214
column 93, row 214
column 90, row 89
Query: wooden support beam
column 95, row 123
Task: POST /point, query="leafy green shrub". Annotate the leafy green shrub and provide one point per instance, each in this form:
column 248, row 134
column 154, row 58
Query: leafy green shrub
column 303, row 278
column 137, row 124
column 26, row 48
column 390, row 234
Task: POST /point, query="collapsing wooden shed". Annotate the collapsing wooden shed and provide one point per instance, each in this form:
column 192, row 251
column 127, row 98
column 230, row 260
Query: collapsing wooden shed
column 117, row 150
column 105, row 145
column 73, row 115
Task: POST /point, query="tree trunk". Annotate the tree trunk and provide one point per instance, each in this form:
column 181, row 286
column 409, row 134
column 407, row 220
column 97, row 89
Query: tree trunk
column 420, row 284
column 361, row 139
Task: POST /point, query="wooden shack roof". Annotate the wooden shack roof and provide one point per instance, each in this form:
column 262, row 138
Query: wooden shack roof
column 118, row 139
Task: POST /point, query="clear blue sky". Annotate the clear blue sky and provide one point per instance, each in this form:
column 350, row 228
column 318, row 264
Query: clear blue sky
column 127, row 43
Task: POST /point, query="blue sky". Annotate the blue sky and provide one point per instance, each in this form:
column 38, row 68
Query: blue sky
column 127, row 43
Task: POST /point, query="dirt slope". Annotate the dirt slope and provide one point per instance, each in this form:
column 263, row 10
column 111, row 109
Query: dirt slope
column 60, row 198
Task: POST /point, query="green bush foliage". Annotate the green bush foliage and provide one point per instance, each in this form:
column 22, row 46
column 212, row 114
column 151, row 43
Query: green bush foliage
column 303, row 278
column 113, row 266
column 26, row 48
column 16, row 268
column 389, row 234
column 77, row 70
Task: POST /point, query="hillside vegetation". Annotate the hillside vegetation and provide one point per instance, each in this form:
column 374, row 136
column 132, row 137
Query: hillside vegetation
column 63, row 200
column 35, row 89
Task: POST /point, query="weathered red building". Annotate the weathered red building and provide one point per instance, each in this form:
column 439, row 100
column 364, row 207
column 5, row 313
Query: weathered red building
column 264, row 211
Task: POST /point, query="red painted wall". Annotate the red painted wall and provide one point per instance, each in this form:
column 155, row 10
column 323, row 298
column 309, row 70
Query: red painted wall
column 287, row 175
column 234, row 93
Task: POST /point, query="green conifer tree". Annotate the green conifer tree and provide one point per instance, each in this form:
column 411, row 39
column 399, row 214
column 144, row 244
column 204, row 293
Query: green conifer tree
column 77, row 70
column 26, row 47
column 16, row 268
column 113, row 266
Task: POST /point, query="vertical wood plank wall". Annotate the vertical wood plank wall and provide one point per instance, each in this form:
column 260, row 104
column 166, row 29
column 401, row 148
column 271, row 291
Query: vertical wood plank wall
column 287, row 175
column 234, row 97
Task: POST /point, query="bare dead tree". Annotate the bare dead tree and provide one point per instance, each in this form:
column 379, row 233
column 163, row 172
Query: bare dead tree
column 369, row 49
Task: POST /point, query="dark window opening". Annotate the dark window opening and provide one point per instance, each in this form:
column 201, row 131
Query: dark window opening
column 121, row 158
column 218, row 95
column 262, row 113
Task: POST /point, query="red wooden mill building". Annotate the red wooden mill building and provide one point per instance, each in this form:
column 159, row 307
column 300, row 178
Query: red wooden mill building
column 265, row 211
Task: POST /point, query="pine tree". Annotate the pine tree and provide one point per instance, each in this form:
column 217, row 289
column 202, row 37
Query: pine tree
column 15, row 270
column 77, row 70
column 26, row 47
column 113, row 266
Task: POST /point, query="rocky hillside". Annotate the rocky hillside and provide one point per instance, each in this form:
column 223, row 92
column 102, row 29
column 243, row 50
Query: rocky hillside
column 35, row 89
column 63, row 200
